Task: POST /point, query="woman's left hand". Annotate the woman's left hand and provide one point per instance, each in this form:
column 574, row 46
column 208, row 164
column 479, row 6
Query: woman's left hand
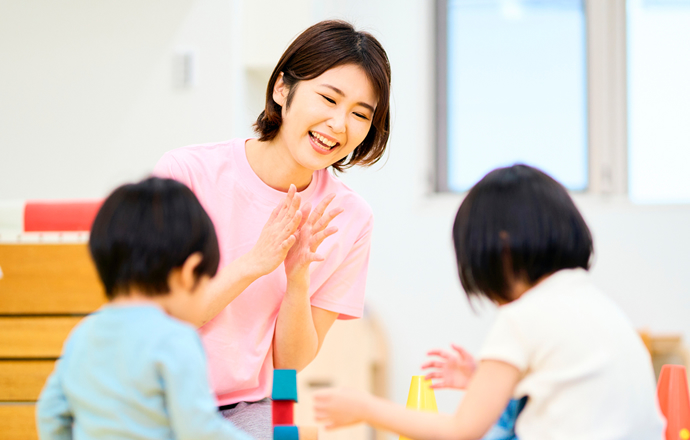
column 313, row 231
column 338, row 407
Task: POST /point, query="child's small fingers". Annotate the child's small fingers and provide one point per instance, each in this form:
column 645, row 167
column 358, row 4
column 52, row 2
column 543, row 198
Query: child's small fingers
column 464, row 355
column 428, row 364
column 435, row 364
column 433, row 375
column 458, row 348
column 440, row 353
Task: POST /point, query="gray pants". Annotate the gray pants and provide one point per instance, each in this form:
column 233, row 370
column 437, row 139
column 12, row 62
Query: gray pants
column 252, row 417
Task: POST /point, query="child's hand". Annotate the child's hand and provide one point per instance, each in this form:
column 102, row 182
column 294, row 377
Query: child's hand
column 310, row 235
column 278, row 235
column 452, row 370
column 337, row 407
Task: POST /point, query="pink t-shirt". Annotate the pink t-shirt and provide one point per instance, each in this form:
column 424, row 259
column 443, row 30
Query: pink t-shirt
column 238, row 341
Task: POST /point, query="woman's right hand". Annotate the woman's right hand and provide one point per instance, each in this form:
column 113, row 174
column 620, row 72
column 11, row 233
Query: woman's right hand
column 450, row 369
column 278, row 235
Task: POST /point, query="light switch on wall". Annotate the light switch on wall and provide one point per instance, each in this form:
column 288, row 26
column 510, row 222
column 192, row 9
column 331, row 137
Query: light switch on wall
column 184, row 69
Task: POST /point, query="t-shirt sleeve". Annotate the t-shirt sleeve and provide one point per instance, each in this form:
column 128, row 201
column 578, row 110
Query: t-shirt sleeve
column 343, row 292
column 169, row 167
column 191, row 406
column 506, row 342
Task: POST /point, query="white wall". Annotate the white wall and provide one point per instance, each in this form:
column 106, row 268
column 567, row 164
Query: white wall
column 86, row 102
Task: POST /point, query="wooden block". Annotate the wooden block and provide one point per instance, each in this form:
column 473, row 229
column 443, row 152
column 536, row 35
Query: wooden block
column 23, row 380
column 283, row 412
column 48, row 279
column 285, row 432
column 284, row 385
column 34, row 337
column 18, row 422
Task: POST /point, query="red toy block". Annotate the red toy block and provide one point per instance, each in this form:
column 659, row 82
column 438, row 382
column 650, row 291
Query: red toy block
column 674, row 401
column 283, row 412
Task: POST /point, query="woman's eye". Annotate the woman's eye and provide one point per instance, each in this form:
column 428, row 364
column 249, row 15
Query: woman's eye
column 361, row 116
column 328, row 99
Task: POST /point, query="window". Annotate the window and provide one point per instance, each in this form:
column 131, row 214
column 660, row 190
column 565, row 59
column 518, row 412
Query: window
column 593, row 92
column 516, row 89
column 659, row 100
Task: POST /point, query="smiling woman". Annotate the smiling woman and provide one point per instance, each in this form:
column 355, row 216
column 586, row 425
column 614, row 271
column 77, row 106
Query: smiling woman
column 327, row 106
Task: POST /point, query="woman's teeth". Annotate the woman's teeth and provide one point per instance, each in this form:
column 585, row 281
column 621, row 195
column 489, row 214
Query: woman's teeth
column 325, row 142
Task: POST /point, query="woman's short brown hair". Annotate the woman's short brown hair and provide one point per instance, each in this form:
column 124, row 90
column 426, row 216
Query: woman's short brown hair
column 321, row 47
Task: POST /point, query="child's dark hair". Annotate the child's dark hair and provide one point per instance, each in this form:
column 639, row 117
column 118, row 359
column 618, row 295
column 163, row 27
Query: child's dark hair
column 145, row 230
column 323, row 46
column 519, row 220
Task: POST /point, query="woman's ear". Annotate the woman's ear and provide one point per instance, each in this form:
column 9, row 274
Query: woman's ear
column 280, row 91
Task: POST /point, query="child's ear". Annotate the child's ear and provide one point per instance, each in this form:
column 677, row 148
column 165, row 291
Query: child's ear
column 280, row 91
column 188, row 279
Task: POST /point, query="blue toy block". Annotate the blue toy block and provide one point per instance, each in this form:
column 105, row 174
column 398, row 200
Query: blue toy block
column 284, row 385
column 285, row 432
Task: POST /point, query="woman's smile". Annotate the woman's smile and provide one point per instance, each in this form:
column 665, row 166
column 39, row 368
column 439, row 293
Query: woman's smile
column 322, row 143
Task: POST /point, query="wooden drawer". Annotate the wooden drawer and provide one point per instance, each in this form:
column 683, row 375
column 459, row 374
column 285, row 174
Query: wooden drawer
column 48, row 279
column 22, row 381
column 34, row 337
column 18, row 422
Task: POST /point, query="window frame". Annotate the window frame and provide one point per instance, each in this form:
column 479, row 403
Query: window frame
column 607, row 119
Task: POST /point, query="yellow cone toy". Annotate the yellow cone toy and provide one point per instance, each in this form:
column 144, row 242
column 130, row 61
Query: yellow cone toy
column 421, row 396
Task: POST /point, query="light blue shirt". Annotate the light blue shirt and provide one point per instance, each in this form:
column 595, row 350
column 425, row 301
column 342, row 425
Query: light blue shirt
column 131, row 372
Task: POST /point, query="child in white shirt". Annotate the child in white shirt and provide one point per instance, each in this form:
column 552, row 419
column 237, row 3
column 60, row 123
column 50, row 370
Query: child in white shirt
column 557, row 340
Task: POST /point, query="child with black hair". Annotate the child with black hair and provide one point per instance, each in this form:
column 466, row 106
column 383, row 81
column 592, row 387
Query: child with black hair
column 136, row 369
column 557, row 341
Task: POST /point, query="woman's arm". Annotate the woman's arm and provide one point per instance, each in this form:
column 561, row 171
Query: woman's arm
column 300, row 327
column 276, row 239
column 486, row 397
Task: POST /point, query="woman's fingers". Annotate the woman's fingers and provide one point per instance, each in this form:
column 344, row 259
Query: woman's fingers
column 306, row 214
column 288, row 243
column 292, row 226
column 325, row 220
column 318, row 238
column 286, row 203
column 321, row 208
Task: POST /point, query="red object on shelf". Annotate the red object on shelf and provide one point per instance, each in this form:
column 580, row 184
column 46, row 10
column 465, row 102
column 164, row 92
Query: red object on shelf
column 60, row 216
column 674, row 401
column 283, row 412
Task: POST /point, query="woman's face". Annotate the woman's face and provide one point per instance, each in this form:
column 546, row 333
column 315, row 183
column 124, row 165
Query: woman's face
column 328, row 117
